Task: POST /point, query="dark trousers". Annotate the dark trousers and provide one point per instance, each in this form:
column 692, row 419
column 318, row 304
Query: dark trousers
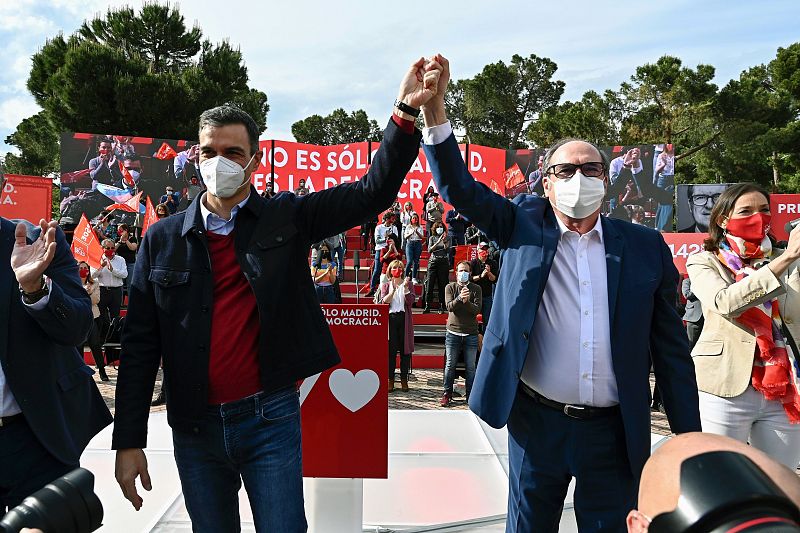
column 546, row 449
column 693, row 330
column 438, row 274
column 109, row 305
column 397, row 338
column 25, row 465
column 95, row 343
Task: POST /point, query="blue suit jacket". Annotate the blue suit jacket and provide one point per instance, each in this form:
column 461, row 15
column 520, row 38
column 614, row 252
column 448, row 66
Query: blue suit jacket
column 44, row 369
column 642, row 285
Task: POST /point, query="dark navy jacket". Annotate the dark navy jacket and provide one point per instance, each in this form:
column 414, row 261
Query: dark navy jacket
column 642, row 287
column 169, row 313
column 43, row 367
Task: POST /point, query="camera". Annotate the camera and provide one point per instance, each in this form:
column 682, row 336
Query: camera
column 726, row 491
column 67, row 505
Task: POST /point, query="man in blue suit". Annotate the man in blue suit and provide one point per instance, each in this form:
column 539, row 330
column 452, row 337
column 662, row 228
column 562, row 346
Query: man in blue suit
column 49, row 405
column 582, row 305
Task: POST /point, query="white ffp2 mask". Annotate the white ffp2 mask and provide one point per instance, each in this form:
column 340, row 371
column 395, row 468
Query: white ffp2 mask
column 222, row 176
column 579, row 196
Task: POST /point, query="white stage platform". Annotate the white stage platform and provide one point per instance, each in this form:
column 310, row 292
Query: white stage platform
column 447, row 472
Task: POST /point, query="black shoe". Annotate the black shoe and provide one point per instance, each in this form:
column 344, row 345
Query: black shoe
column 160, row 400
column 103, row 375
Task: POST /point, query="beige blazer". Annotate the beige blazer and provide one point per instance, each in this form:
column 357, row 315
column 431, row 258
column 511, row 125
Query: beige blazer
column 723, row 355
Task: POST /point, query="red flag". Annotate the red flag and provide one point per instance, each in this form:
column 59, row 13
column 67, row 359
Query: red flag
column 126, row 176
column 165, row 152
column 85, row 244
column 496, row 188
column 131, row 206
column 513, row 177
column 149, row 216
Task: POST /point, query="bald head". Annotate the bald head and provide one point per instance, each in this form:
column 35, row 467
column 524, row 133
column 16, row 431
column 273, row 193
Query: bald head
column 659, row 487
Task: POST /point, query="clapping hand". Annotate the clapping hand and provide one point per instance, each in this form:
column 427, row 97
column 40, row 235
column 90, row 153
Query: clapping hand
column 420, row 83
column 464, row 295
column 29, row 261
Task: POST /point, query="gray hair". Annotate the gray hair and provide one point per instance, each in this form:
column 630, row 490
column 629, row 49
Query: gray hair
column 226, row 115
column 561, row 142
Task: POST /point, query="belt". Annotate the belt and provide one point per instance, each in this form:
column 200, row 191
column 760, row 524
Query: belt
column 582, row 412
column 7, row 420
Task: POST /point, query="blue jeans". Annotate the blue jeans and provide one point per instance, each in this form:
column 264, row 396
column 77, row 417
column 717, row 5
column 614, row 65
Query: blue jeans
column 255, row 440
column 453, row 346
column 664, row 211
column 325, row 294
column 413, row 253
column 376, row 271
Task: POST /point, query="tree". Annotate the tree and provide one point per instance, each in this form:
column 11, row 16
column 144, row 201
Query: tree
column 141, row 74
column 40, row 156
column 337, row 128
column 591, row 118
column 501, row 101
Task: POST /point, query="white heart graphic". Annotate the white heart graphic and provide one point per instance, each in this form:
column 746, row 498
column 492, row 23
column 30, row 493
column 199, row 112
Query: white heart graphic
column 354, row 391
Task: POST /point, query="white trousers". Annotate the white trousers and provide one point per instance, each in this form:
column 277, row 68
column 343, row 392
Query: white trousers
column 751, row 418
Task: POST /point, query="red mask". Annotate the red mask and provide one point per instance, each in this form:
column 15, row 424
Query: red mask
column 483, row 254
column 751, row 229
column 83, row 272
column 397, row 272
column 109, row 253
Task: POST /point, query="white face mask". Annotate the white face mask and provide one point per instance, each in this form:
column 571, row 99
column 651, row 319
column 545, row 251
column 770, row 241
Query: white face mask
column 222, row 176
column 579, row 196
column 463, row 276
column 439, row 231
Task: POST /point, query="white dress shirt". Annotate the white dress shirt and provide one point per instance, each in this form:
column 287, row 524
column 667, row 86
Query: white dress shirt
column 112, row 278
column 398, row 302
column 569, row 354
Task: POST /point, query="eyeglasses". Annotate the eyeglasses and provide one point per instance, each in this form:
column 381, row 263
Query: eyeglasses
column 107, row 248
column 592, row 169
column 701, row 200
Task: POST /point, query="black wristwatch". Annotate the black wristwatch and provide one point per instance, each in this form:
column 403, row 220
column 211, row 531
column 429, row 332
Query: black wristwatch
column 30, row 298
column 405, row 108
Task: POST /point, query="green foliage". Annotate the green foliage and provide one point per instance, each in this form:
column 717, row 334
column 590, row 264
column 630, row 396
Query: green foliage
column 337, row 128
column 40, row 154
column 133, row 73
column 497, row 105
column 591, row 118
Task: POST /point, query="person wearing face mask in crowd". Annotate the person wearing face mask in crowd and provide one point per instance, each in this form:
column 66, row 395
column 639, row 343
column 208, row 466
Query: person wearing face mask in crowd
column 484, row 274
column 93, row 339
column 171, row 199
column 111, row 276
column 399, row 294
column 222, row 291
column 746, row 357
column 392, row 252
column 324, row 274
column 583, row 304
column 162, row 211
column 463, row 303
column 438, row 265
column 126, row 247
column 413, row 235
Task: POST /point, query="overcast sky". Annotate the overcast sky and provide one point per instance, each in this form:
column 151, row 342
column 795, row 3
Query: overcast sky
column 314, row 56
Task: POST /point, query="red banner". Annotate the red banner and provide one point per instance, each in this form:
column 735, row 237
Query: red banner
column 345, row 410
column 682, row 245
column 27, row 197
column 784, row 208
column 465, row 252
column 85, row 246
column 323, row 167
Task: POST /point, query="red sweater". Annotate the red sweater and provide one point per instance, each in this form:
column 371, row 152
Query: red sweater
column 233, row 360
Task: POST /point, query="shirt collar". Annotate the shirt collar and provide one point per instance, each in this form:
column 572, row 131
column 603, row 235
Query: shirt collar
column 596, row 230
column 207, row 215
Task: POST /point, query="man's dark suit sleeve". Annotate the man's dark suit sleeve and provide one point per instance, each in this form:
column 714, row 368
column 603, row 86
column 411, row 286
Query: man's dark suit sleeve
column 490, row 212
column 137, row 372
column 669, row 347
column 340, row 208
column 67, row 317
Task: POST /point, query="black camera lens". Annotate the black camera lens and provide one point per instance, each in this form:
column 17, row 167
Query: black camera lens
column 67, row 505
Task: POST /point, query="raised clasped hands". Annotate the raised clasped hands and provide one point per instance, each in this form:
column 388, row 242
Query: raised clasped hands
column 420, row 83
column 29, row 261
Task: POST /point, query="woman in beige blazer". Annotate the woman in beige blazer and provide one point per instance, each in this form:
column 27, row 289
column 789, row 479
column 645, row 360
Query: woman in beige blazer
column 93, row 340
column 746, row 358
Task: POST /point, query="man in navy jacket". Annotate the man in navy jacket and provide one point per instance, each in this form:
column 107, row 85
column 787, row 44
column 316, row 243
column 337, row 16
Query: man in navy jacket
column 582, row 304
column 49, row 405
column 223, row 294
